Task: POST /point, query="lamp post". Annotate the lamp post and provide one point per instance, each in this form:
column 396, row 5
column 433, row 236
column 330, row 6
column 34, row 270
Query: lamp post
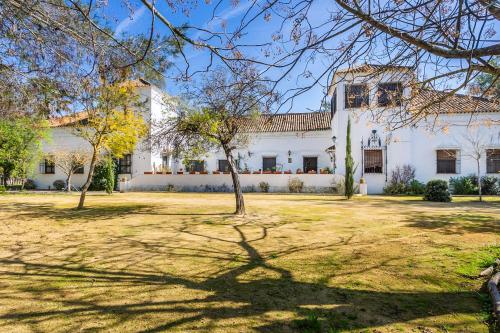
column 331, row 151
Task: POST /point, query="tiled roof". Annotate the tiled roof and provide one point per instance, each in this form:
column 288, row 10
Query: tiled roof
column 288, row 122
column 67, row 120
column 438, row 102
column 366, row 68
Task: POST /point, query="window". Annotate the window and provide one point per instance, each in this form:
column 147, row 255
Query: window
column 125, row 164
column 356, row 96
column 373, row 161
column 50, row 167
column 268, row 163
column 389, row 94
column 79, row 169
column 310, row 164
column 223, row 166
column 165, row 161
column 492, row 160
column 446, row 161
column 196, row 166
column 334, row 103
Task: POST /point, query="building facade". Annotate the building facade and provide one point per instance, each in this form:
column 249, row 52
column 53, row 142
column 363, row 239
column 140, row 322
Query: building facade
column 308, row 145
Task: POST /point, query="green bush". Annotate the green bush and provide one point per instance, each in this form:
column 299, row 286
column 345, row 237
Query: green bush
column 264, row 187
column 395, row 188
column 29, row 184
column 416, row 187
column 437, row 190
column 465, row 185
column 2, row 189
column 489, row 185
column 59, row 184
column 104, row 176
column 295, row 185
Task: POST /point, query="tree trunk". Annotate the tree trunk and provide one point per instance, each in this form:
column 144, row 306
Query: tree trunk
column 68, row 182
column 479, row 181
column 238, row 194
column 89, row 179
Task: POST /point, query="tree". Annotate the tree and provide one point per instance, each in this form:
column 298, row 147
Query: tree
column 113, row 124
column 476, row 150
column 349, row 164
column 486, row 84
column 110, row 175
column 224, row 106
column 69, row 162
column 20, row 145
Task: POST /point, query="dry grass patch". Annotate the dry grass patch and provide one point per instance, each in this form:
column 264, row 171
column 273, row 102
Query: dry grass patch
column 151, row 262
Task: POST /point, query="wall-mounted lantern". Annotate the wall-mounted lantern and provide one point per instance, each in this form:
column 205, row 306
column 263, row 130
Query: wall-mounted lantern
column 331, row 152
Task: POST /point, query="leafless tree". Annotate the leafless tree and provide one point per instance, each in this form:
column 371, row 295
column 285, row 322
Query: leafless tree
column 69, row 161
column 475, row 149
column 218, row 115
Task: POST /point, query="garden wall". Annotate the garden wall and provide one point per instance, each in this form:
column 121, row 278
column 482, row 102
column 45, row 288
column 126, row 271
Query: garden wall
column 223, row 182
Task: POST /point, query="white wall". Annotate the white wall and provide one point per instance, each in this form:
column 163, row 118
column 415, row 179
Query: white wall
column 277, row 182
column 414, row 146
column 300, row 144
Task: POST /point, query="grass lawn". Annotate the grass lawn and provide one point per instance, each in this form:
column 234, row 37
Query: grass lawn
column 151, row 262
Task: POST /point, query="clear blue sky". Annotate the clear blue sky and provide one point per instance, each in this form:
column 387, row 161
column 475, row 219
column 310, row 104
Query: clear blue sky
column 230, row 11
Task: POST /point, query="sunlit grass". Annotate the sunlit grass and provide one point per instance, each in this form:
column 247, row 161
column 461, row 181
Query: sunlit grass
column 140, row 262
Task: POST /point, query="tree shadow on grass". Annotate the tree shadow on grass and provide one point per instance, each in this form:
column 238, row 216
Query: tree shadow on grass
column 225, row 295
column 459, row 223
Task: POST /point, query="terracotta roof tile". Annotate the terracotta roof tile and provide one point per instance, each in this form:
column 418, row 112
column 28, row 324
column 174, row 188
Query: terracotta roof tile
column 289, row 122
column 67, row 120
column 438, row 102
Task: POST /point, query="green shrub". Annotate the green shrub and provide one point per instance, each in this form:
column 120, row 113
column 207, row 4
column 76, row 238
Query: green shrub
column 465, row 185
column 489, row 185
column 2, row 189
column 437, row 190
column 416, row 187
column 59, row 184
column 29, row 184
column 104, row 176
column 395, row 188
column 295, row 185
column 264, row 187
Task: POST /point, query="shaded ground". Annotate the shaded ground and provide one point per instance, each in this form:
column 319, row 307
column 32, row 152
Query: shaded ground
column 151, row 262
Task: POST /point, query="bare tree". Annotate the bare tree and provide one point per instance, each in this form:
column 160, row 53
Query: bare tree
column 69, row 161
column 219, row 112
column 476, row 149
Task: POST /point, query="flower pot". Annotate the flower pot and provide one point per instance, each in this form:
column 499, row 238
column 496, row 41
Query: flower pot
column 256, row 172
column 277, row 172
column 192, row 172
column 167, row 172
column 180, row 172
column 216, row 172
column 287, row 172
column 267, row 172
column 363, row 189
column 226, row 172
column 204, row 173
column 148, row 172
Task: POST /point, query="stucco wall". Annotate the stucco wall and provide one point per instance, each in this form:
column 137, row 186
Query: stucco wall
column 415, row 146
column 300, row 145
column 277, row 182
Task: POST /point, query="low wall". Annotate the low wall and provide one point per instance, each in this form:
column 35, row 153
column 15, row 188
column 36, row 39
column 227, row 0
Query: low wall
column 223, row 182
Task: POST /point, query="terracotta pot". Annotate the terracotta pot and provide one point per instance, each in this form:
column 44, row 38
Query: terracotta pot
column 256, row 172
column 204, row 173
column 180, row 172
column 148, row 172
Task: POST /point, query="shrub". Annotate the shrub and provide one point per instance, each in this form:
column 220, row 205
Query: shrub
column 402, row 179
column 416, row 187
column 437, row 190
column 295, row 185
column 170, row 188
column 464, row 185
column 29, row 184
column 264, row 187
column 104, row 176
column 489, row 185
column 2, row 189
column 59, row 184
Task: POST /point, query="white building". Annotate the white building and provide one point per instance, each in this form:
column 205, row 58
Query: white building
column 286, row 146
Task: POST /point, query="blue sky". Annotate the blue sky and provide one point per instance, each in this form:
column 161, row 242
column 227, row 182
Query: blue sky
column 137, row 19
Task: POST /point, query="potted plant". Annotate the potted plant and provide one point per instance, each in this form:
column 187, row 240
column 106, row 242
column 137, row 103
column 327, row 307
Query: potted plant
column 226, row 172
column 299, row 171
column 312, row 172
column 288, row 172
column 246, row 172
column 203, row 172
column 267, row 172
column 257, row 172
column 148, row 172
column 180, row 172
column 192, row 172
column 216, row 172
